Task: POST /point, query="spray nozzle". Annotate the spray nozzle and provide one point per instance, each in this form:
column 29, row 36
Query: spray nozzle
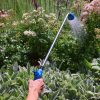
column 71, row 16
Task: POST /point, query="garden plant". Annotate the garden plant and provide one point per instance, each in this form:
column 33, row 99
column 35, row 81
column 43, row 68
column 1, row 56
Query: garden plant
column 26, row 33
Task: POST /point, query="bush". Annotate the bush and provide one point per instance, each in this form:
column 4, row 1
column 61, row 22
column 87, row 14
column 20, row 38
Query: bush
column 59, row 85
column 27, row 39
column 30, row 37
column 92, row 40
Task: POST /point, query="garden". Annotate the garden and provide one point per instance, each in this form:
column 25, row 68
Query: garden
column 27, row 31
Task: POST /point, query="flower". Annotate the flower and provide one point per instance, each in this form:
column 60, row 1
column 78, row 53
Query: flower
column 94, row 6
column 25, row 15
column 89, row 8
column 22, row 22
column 53, row 16
column 29, row 33
column 2, row 25
column 40, row 9
column 41, row 20
column 3, row 14
column 15, row 23
column 84, row 14
column 97, row 30
column 97, row 36
column 33, row 21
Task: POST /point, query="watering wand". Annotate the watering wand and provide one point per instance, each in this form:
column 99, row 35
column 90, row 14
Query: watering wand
column 38, row 73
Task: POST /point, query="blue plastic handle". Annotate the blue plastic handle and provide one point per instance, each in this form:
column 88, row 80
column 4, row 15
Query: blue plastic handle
column 38, row 74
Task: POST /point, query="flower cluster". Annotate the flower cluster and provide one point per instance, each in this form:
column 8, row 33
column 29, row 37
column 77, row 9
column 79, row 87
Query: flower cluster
column 2, row 25
column 94, row 6
column 3, row 14
column 15, row 23
column 97, row 31
column 29, row 33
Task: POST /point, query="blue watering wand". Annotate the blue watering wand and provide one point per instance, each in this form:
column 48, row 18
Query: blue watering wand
column 38, row 73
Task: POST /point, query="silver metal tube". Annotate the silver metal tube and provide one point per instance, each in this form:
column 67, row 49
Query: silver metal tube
column 59, row 31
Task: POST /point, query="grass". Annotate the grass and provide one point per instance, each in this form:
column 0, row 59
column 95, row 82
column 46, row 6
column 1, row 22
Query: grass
column 20, row 6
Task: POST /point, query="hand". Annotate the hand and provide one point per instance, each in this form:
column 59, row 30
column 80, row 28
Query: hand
column 35, row 87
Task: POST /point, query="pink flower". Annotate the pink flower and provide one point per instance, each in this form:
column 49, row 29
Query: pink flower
column 3, row 14
column 89, row 8
column 84, row 14
column 95, row 2
column 94, row 6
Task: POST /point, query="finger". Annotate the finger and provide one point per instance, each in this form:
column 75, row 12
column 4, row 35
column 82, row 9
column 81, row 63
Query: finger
column 42, row 87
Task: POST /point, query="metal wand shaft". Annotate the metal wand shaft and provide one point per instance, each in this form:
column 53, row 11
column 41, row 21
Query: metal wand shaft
column 59, row 31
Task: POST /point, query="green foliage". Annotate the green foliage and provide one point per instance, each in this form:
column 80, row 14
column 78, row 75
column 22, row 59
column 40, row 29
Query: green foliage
column 19, row 6
column 26, row 36
column 70, row 54
column 65, row 52
column 30, row 37
column 27, row 39
column 60, row 85
column 13, row 83
column 91, row 43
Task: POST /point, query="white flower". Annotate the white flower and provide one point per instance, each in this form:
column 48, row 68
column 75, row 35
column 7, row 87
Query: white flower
column 41, row 20
column 94, row 62
column 29, row 33
column 52, row 14
column 15, row 23
column 25, row 15
column 33, row 21
column 46, row 15
column 2, row 25
column 22, row 22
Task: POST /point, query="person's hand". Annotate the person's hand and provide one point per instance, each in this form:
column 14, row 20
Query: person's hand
column 34, row 89
column 36, row 85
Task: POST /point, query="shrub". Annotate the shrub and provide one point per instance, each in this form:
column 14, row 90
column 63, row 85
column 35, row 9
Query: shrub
column 27, row 39
column 30, row 37
column 92, row 39
column 59, row 85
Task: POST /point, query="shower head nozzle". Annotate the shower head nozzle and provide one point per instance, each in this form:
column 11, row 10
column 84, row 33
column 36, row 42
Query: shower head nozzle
column 71, row 16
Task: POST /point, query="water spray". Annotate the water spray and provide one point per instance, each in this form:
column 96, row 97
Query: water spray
column 72, row 21
column 78, row 32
